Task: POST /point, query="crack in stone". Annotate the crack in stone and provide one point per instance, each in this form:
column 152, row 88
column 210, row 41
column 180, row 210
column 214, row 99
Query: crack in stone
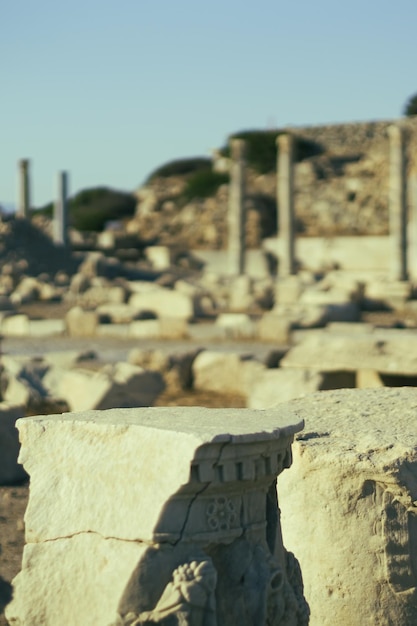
column 196, row 495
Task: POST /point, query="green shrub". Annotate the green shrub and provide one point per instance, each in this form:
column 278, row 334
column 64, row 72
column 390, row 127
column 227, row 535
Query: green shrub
column 411, row 106
column 261, row 149
column 203, row 184
column 180, row 167
column 90, row 209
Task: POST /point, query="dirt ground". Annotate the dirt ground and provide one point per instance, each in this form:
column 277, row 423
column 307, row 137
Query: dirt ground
column 13, row 500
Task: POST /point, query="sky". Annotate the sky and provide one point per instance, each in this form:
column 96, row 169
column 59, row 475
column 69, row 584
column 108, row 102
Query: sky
column 110, row 90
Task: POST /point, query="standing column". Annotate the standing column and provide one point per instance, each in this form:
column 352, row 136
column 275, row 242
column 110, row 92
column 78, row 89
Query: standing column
column 60, row 233
column 24, row 189
column 285, row 203
column 397, row 203
column 236, row 215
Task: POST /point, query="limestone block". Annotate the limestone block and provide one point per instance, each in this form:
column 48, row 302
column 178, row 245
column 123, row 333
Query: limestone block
column 46, row 328
column 81, row 323
column 368, row 379
column 236, row 325
column 163, row 302
column 349, row 505
column 145, row 329
column 226, row 373
column 389, row 292
column 118, row 385
column 385, row 352
column 288, row 290
column 26, row 291
column 240, row 293
column 10, row 470
column 120, row 331
column 275, row 386
column 151, row 515
column 275, row 328
column 172, row 327
column 15, row 325
column 116, row 313
column 158, row 256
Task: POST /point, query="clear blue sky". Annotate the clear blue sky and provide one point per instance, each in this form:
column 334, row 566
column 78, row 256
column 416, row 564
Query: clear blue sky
column 109, row 90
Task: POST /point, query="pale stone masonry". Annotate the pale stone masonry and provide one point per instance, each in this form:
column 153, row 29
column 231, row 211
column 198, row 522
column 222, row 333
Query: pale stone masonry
column 24, row 188
column 60, row 225
column 156, row 516
column 398, row 202
column 236, row 213
column 285, row 203
column 349, row 505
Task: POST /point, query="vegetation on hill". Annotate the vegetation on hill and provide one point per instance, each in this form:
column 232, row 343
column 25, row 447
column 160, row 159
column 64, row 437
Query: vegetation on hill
column 410, row 107
column 90, row 209
column 180, row 167
column 261, row 149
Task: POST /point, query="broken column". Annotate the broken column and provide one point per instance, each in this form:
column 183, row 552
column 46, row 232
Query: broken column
column 23, row 208
column 60, row 227
column 236, row 214
column 156, row 516
column 349, row 505
column 398, row 202
column 285, row 204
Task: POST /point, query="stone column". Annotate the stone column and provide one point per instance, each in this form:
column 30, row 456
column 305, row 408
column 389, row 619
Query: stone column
column 397, row 203
column 285, row 204
column 60, row 226
column 170, row 514
column 24, row 189
column 236, row 214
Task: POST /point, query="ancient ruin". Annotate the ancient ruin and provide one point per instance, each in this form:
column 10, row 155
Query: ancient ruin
column 178, row 522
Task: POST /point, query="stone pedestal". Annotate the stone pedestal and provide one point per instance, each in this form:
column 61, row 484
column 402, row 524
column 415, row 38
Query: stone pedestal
column 156, row 516
column 285, row 203
column 24, row 189
column 398, row 203
column 60, row 225
column 349, row 505
column 236, row 214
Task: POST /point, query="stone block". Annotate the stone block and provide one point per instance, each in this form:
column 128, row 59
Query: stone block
column 15, row 325
column 160, row 301
column 81, row 323
column 240, row 293
column 156, row 516
column 236, row 325
column 46, row 328
column 348, row 506
column 119, row 331
column 145, row 329
column 368, row 379
column 384, row 352
column 118, row 385
column 172, row 328
column 158, row 256
column 225, row 373
column 116, row 313
column 275, row 386
column 288, row 290
column 10, row 470
column 272, row 327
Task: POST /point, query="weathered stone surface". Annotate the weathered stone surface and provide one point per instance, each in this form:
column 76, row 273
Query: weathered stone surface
column 272, row 327
column 190, row 524
column 163, row 302
column 118, row 385
column 383, row 351
column 81, row 323
column 274, row 386
column 223, row 372
column 10, row 470
column 116, row 313
column 15, row 325
column 349, row 505
column 236, row 325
